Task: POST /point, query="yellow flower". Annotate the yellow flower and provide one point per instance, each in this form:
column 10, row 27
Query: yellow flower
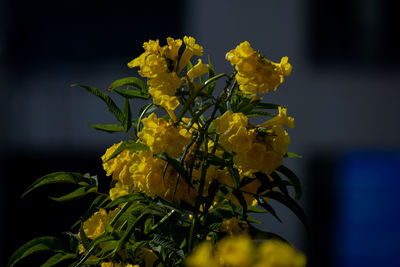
column 118, row 167
column 275, row 253
column 234, row 251
column 280, row 119
column 171, row 50
column 162, row 136
column 259, row 149
column 95, row 225
column 228, row 125
column 201, row 256
column 153, row 47
column 255, row 74
column 197, row 70
column 191, row 49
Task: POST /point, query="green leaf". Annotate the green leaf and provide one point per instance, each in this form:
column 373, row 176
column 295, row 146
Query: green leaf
column 129, row 93
column 41, row 244
column 58, row 178
column 131, row 82
column 176, row 165
column 293, row 179
column 112, row 107
column 281, row 185
column 130, row 145
column 143, row 111
column 259, row 113
column 267, row 106
column 292, row 205
column 291, row 155
column 110, row 128
column 266, row 206
column 57, row 258
column 127, row 115
column 126, row 199
column 77, row 194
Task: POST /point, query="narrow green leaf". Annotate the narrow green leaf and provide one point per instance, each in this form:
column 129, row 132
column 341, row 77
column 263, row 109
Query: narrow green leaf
column 293, row 179
column 259, row 113
column 143, row 111
column 266, row 206
column 291, row 155
column 292, row 205
column 96, row 204
column 130, row 82
column 58, row 178
column 126, row 199
column 281, row 185
column 266, row 106
column 57, row 258
column 129, row 93
column 110, row 128
column 112, row 107
column 127, row 115
column 77, row 194
column 41, row 244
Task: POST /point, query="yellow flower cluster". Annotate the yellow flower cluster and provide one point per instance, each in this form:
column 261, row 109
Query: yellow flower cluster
column 255, row 74
column 258, row 149
column 239, row 251
column 95, row 225
column 159, row 64
column 162, row 136
column 118, row 167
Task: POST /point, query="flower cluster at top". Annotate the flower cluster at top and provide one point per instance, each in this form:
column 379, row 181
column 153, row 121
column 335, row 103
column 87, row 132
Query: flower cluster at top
column 160, row 66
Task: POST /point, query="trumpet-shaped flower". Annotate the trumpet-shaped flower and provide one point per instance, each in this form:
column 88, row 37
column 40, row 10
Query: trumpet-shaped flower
column 191, row 49
column 255, row 74
column 162, row 136
column 197, row 70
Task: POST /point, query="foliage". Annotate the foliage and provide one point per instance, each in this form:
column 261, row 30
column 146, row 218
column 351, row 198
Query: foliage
column 198, row 172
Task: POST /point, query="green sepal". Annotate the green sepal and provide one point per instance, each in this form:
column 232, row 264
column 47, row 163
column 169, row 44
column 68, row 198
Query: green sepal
column 59, row 178
column 58, row 258
column 129, row 93
column 129, row 82
column 110, row 128
column 77, row 194
column 112, row 107
column 40, row 244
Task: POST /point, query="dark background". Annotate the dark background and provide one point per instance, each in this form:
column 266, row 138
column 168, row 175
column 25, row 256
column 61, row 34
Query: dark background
column 343, row 93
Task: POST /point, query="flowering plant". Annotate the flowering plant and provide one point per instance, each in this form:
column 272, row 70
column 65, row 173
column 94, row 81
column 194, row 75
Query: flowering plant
column 185, row 184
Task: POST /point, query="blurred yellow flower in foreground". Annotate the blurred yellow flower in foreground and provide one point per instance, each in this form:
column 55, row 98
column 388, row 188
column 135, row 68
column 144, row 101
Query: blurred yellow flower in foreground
column 240, row 251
